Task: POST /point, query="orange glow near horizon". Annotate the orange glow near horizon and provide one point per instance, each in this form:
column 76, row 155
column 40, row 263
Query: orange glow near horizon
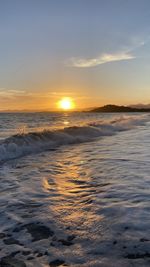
column 66, row 103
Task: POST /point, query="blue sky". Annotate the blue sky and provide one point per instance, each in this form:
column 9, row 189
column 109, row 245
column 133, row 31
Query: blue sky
column 92, row 50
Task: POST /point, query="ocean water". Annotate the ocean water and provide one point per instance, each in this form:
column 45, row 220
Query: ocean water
column 74, row 190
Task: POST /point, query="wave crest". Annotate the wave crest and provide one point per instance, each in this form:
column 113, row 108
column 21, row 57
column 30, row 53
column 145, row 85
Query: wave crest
column 33, row 142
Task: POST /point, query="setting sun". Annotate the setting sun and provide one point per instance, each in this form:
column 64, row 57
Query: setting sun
column 66, row 103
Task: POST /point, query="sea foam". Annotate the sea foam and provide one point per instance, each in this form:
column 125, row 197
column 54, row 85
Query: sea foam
column 33, row 142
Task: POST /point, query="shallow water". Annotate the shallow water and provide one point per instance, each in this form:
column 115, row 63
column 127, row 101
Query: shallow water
column 91, row 198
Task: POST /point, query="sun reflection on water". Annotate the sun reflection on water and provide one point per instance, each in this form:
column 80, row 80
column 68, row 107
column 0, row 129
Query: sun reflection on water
column 70, row 192
column 66, row 123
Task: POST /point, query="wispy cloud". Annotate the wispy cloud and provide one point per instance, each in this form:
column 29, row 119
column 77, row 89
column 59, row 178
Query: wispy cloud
column 102, row 59
column 126, row 53
column 7, row 93
column 12, row 93
column 59, row 94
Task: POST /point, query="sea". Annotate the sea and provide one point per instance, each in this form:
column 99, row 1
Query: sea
column 74, row 189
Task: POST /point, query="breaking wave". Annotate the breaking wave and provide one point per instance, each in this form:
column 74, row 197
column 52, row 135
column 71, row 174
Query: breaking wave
column 32, row 142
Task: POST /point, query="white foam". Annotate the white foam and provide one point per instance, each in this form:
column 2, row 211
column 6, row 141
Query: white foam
column 33, row 142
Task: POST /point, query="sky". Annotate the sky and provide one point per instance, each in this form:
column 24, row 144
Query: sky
column 95, row 51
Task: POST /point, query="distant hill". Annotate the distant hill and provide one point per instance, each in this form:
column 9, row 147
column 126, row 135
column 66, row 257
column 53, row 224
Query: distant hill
column 144, row 106
column 115, row 108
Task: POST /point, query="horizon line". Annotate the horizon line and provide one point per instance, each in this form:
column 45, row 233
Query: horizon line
column 68, row 111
